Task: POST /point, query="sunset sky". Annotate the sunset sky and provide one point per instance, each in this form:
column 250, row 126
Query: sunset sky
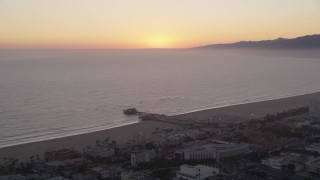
column 151, row 23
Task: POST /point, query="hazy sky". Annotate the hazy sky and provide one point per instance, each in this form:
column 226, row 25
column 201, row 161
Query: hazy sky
column 151, row 23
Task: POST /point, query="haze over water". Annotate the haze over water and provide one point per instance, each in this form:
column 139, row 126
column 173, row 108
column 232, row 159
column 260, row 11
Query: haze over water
column 53, row 93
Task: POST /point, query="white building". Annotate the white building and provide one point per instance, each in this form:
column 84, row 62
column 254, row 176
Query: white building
column 274, row 162
column 212, row 151
column 198, row 172
column 313, row 166
column 313, row 147
column 102, row 152
column 142, row 156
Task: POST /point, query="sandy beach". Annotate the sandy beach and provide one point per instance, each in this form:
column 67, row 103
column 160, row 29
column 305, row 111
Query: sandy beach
column 125, row 133
column 256, row 109
column 121, row 134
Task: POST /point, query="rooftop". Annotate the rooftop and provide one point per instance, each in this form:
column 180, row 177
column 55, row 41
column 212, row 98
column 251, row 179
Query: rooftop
column 214, row 147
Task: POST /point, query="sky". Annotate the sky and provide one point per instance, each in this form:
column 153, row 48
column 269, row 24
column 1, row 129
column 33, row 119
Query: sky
column 151, row 23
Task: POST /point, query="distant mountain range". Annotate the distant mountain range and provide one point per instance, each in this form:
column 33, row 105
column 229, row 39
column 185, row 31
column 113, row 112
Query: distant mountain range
column 304, row 42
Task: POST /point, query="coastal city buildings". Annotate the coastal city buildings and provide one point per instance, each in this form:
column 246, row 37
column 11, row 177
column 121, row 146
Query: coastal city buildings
column 198, row 172
column 212, row 151
column 222, row 151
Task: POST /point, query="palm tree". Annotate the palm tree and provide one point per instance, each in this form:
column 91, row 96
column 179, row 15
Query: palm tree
column 32, row 159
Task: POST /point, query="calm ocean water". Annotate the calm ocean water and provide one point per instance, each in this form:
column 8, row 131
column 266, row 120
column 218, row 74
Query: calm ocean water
column 53, row 93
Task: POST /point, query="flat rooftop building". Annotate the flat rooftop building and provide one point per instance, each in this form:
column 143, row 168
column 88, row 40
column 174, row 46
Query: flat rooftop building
column 212, row 151
column 314, row 147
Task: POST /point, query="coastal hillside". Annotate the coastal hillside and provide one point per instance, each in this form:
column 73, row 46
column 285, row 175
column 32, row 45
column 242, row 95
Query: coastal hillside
column 304, row 42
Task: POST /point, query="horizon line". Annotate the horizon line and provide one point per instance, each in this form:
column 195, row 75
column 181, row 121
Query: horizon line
column 47, row 47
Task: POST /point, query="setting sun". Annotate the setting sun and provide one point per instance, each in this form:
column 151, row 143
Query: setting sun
column 151, row 24
column 159, row 42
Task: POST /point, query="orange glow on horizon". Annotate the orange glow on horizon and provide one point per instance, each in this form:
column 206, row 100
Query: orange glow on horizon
column 125, row 24
column 161, row 42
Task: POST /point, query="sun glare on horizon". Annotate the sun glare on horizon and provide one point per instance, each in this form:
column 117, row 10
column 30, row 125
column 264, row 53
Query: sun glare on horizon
column 151, row 24
column 159, row 41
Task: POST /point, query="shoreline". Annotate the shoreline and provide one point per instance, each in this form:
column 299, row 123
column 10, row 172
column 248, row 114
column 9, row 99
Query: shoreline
column 122, row 134
column 64, row 136
column 80, row 142
column 258, row 108
column 195, row 111
column 292, row 95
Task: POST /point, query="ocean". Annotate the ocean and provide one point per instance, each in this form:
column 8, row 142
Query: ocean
column 46, row 94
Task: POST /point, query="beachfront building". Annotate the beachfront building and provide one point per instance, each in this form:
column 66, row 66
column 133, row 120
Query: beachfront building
column 142, row 156
column 313, row 166
column 100, row 152
column 198, row 172
column 219, row 152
